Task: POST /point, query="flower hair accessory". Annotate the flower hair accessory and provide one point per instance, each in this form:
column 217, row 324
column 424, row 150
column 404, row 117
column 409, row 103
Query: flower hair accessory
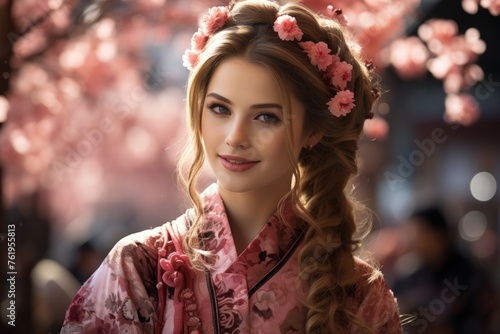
column 287, row 28
column 215, row 18
column 335, row 72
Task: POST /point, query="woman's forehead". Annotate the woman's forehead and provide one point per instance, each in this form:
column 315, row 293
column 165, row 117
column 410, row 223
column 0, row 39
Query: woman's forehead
column 239, row 79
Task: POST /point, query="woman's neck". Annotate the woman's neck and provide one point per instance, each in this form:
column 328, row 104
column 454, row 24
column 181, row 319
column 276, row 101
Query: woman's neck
column 248, row 212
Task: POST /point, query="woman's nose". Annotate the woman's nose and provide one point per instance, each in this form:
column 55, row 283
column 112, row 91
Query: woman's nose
column 238, row 134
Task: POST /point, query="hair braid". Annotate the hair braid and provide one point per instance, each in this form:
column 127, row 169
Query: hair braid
column 327, row 260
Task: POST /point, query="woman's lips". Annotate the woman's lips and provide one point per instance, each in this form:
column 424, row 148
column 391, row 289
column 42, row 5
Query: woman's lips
column 236, row 164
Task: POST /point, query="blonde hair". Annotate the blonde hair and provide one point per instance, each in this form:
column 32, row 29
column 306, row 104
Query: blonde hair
column 321, row 195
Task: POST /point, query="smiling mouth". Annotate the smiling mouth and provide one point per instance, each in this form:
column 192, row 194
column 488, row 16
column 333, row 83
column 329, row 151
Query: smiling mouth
column 236, row 161
column 237, row 164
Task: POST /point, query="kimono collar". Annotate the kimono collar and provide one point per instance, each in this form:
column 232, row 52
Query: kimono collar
column 267, row 249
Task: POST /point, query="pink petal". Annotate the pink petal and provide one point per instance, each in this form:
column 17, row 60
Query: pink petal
column 307, row 46
column 287, row 28
column 342, row 103
column 341, row 75
column 198, row 41
column 190, row 59
column 318, row 53
column 214, row 19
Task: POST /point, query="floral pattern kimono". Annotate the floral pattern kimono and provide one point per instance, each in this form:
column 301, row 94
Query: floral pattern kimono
column 146, row 285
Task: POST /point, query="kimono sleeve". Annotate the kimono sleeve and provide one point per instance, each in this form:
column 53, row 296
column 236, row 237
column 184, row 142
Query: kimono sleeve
column 121, row 296
column 379, row 308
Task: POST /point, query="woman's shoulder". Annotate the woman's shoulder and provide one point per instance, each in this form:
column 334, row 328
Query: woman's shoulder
column 377, row 304
column 370, row 279
column 145, row 237
column 367, row 271
column 148, row 243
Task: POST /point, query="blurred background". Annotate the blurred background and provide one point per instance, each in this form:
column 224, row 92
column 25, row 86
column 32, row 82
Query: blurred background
column 92, row 120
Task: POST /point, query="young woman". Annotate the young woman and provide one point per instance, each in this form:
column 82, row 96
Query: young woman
column 277, row 98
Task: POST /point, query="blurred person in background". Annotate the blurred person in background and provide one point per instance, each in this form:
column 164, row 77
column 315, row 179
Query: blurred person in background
column 443, row 289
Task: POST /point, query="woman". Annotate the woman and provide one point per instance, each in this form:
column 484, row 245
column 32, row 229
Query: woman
column 277, row 99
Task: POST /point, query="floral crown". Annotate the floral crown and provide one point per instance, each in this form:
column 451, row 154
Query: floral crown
column 336, row 73
column 210, row 23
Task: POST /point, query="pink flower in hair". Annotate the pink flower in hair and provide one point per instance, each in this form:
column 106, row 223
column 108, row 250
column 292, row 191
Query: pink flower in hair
column 342, row 103
column 341, row 75
column 190, row 59
column 287, row 28
column 330, row 71
column 307, row 46
column 198, row 40
column 214, row 19
column 318, row 53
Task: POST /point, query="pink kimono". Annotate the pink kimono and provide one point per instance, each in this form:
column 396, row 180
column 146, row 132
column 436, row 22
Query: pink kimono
column 146, row 285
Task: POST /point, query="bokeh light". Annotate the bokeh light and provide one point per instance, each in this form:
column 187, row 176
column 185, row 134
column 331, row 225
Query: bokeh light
column 483, row 186
column 473, row 225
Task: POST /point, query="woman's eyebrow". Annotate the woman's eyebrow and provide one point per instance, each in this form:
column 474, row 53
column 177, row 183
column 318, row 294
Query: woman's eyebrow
column 266, row 106
column 219, row 97
column 254, row 106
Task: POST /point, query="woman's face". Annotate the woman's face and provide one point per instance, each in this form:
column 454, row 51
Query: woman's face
column 243, row 129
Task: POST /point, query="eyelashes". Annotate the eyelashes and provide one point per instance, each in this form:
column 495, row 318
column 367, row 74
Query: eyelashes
column 220, row 110
column 269, row 118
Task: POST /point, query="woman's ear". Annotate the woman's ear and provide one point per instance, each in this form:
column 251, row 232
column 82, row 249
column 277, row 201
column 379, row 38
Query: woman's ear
column 313, row 138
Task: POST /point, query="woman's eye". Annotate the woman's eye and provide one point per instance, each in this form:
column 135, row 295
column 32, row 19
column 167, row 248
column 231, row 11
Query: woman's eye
column 269, row 118
column 218, row 109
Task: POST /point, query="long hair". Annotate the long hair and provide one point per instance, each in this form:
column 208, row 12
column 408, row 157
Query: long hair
column 320, row 194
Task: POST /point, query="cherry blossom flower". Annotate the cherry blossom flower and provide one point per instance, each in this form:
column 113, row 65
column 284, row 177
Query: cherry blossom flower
column 453, row 56
column 342, row 103
column 409, row 57
column 492, row 5
column 341, row 75
column 190, row 59
column 318, row 53
column 287, row 28
column 438, row 32
column 330, row 71
column 461, row 108
column 198, row 40
column 214, row 19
